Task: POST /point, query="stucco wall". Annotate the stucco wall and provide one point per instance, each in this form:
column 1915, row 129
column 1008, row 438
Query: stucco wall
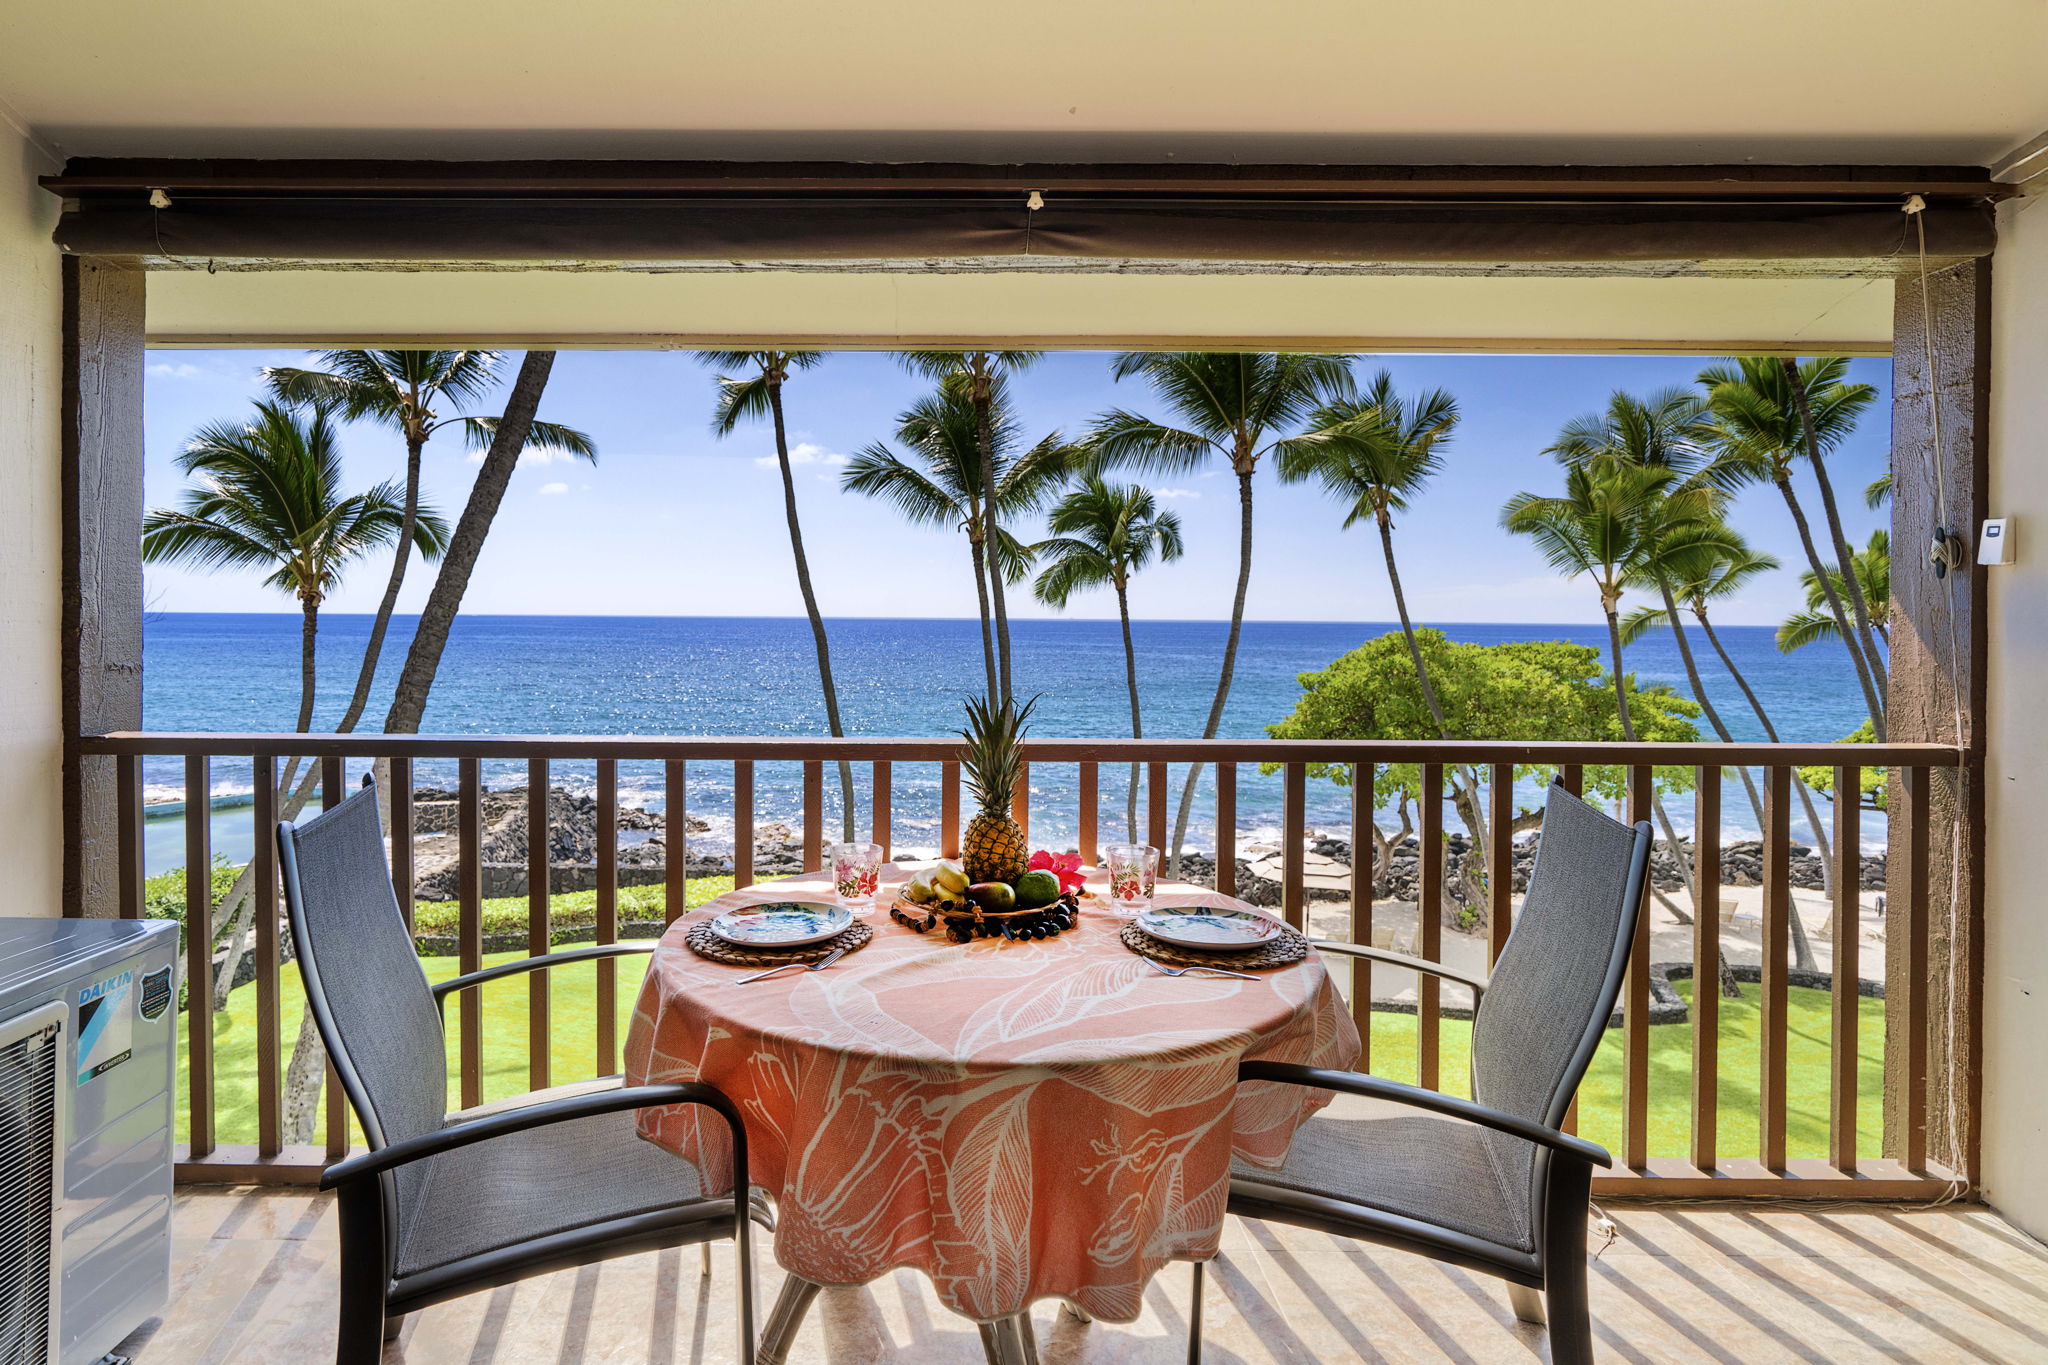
column 2016, row 932
column 30, row 776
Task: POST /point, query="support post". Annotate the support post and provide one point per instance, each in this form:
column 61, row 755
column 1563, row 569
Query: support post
column 1937, row 686
column 102, row 566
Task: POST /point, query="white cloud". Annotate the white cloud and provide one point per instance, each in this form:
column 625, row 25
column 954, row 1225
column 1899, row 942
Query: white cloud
column 806, row 452
column 550, row 489
column 1175, row 493
column 532, row 457
column 163, row 369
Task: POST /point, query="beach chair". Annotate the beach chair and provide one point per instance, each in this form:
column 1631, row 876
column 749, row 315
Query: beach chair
column 1491, row 1184
column 441, row 1207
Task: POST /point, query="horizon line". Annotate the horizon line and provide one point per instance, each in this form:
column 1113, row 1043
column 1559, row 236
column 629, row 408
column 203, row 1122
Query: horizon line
column 294, row 616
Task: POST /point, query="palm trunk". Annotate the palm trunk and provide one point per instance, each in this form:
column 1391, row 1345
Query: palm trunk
column 1475, row 819
column 309, row 635
column 1215, row 722
column 1710, row 904
column 992, row 533
column 1699, row 693
column 1429, row 697
column 1802, row 951
column 1628, row 733
column 1123, row 611
column 1858, row 606
column 430, row 639
column 803, row 582
column 988, row 645
column 373, row 651
column 1827, row 583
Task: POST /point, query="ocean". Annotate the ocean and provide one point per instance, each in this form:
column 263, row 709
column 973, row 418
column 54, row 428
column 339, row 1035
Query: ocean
column 757, row 676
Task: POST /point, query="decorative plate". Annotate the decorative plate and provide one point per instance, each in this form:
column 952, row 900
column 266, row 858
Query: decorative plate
column 784, row 924
column 1202, row 926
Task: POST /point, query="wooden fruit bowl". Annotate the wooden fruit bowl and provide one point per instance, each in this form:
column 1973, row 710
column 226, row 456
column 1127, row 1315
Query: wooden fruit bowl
column 964, row 921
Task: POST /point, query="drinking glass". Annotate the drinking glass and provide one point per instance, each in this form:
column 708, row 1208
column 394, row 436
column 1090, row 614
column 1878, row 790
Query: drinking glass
column 1132, row 869
column 856, row 872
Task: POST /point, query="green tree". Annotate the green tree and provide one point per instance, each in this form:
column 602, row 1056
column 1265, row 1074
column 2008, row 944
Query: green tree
column 753, row 396
column 1227, row 406
column 1767, row 415
column 979, row 377
column 1873, row 572
column 1103, row 533
column 1871, row 784
column 943, row 482
column 1523, row 690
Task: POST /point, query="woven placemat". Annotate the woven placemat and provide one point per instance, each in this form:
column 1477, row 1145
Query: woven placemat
column 1284, row 950
column 704, row 943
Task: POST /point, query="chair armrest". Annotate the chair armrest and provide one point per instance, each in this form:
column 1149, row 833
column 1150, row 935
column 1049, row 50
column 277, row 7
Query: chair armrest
column 532, row 1116
column 1477, row 984
column 1377, row 1088
column 532, row 964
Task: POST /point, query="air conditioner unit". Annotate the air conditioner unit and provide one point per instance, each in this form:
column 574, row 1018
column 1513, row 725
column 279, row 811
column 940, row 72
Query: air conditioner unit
column 88, row 1049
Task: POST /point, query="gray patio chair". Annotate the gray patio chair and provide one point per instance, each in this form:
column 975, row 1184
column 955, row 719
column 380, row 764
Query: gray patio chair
column 442, row 1207
column 1490, row 1183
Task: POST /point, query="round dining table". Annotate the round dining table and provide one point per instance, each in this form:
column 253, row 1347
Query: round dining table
column 1016, row 1119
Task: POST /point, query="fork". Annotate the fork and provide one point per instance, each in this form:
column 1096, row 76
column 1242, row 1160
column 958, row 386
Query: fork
column 820, row 965
column 1165, row 970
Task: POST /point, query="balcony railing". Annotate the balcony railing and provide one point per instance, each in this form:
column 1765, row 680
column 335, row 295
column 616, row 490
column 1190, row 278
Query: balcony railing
column 1669, row 1132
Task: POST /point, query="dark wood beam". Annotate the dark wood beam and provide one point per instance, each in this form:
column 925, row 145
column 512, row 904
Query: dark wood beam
column 102, row 567
column 1941, row 348
column 1578, row 183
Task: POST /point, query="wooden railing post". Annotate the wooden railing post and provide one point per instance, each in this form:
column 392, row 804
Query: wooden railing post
column 1635, row 1077
column 1776, row 943
column 1847, row 1004
column 1293, row 836
column 269, row 1044
column 1429, row 927
column 1706, row 968
column 539, row 996
column 1226, row 828
column 199, row 951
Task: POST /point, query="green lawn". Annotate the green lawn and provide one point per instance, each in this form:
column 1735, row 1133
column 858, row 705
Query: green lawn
column 1393, row 1055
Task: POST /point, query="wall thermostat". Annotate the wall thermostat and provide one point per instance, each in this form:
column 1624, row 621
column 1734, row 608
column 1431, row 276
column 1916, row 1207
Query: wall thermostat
column 1994, row 543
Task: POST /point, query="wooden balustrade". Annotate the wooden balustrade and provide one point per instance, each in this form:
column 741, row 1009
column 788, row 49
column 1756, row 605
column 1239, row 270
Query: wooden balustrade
column 1630, row 1105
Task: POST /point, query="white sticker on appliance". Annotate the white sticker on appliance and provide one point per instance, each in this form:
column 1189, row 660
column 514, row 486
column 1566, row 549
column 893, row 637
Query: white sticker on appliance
column 106, row 1026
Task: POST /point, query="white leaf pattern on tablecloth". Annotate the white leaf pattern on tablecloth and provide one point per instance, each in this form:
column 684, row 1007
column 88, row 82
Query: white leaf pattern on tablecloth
column 1016, row 1120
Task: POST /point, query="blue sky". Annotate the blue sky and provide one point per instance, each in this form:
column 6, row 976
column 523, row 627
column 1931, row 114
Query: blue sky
column 673, row 521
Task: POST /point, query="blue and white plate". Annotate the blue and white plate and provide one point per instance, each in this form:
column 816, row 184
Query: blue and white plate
column 1202, row 926
column 784, row 924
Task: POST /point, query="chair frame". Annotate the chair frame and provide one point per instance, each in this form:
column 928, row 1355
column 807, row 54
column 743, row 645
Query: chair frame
column 1562, row 1177
column 374, row 1300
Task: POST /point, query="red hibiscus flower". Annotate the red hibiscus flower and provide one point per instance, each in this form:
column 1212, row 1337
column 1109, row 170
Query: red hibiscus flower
column 1065, row 866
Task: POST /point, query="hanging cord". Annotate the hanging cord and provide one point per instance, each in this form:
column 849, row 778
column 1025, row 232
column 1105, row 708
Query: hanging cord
column 1033, row 202
column 1946, row 553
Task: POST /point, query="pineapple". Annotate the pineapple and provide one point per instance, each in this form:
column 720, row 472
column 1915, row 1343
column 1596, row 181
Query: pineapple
column 993, row 848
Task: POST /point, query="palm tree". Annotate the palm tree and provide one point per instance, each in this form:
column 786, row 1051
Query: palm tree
column 402, row 391
column 1766, row 416
column 753, row 396
column 1608, row 526
column 1372, row 452
column 1102, row 534
column 269, row 496
column 978, row 376
column 1232, row 406
column 945, row 481
column 1873, row 577
column 1717, row 571
column 503, row 440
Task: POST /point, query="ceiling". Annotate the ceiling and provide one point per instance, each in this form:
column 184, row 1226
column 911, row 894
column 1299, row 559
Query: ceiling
column 1586, row 81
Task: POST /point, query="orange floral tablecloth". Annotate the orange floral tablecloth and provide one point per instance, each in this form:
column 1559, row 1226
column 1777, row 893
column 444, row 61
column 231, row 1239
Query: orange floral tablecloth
column 1017, row 1120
